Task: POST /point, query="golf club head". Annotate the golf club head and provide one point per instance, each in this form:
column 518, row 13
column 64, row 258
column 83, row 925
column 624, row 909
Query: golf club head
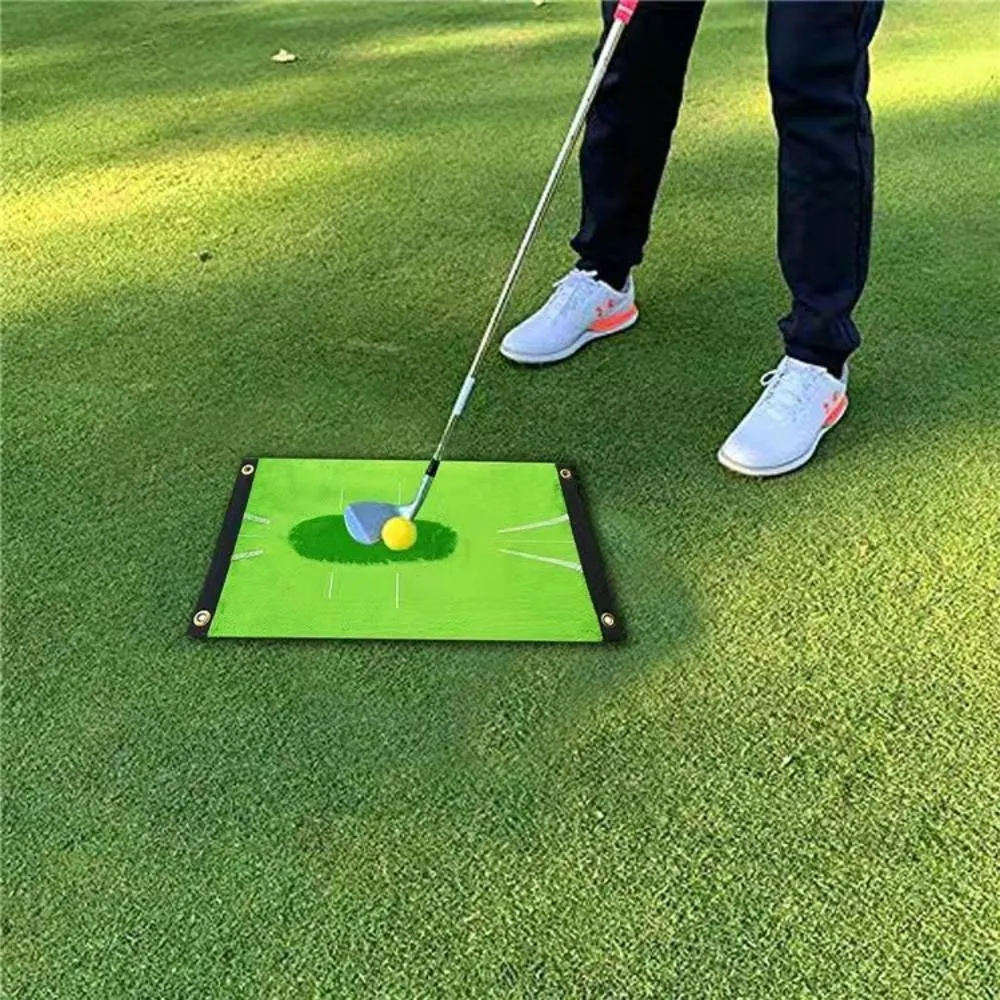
column 364, row 520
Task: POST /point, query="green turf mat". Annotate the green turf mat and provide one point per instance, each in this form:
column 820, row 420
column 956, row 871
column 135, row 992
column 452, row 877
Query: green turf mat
column 504, row 551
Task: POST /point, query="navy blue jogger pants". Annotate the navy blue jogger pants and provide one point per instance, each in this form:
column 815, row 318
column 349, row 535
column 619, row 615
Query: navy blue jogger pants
column 818, row 74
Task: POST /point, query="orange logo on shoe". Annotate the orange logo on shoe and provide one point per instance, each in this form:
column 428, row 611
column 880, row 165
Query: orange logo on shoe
column 604, row 310
column 833, row 408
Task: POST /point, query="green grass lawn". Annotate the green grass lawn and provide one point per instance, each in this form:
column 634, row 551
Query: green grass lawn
column 784, row 786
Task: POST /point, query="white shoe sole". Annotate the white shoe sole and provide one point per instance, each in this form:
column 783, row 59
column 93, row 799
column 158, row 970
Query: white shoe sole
column 779, row 470
column 585, row 338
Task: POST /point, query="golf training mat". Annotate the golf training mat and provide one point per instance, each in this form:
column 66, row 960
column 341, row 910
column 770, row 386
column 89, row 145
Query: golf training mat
column 504, row 551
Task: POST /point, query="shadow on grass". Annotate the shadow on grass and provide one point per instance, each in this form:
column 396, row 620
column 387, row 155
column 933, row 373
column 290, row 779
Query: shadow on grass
column 185, row 50
column 208, row 66
column 326, row 539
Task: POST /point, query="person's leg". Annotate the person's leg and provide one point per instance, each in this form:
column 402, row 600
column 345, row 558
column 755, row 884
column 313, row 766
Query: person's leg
column 818, row 74
column 622, row 157
column 818, row 71
column 628, row 133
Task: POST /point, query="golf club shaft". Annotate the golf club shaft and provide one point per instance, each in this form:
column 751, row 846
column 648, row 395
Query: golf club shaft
column 622, row 16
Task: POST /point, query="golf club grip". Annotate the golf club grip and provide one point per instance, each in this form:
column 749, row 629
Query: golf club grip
column 625, row 10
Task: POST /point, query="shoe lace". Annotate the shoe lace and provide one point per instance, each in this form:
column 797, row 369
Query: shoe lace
column 786, row 391
column 574, row 290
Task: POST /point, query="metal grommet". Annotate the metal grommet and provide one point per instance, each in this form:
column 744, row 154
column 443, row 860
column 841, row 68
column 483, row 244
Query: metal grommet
column 608, row 620
column 202, row 618
column 247, row 469
column 565, row 474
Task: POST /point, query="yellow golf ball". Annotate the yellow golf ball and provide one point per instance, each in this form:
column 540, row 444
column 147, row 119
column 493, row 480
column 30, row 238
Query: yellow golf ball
column 399, row 534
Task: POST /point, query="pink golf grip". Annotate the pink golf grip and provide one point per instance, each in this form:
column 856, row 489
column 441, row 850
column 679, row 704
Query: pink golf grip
column 625, row 10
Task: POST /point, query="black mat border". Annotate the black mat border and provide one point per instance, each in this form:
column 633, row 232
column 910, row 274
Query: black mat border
column 608, row 620
column 215, row 579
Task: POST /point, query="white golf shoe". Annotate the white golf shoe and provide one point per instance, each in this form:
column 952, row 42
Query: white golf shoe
column 580, row 310
column 799, row 404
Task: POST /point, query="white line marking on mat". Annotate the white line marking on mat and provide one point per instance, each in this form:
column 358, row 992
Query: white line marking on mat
column 329, row 589
column 397, row 590
column 248, row 555
column 544, row 559
column 256, row 518
column 537, row 524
